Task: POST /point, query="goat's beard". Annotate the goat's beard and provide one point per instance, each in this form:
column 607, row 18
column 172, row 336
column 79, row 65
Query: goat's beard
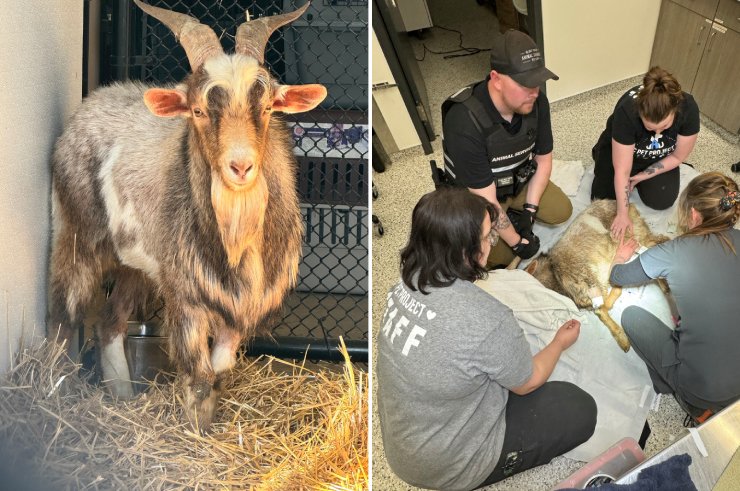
column 240, row 216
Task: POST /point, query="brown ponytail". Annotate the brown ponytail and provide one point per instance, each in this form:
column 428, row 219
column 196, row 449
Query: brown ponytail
column 710, row 194
column 660, row 95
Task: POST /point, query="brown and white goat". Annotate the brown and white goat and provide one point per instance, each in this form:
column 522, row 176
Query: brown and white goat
column 190, row 190
column 579, row 264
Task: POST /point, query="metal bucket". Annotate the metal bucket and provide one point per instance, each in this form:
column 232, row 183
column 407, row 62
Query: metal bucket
column 146, row 352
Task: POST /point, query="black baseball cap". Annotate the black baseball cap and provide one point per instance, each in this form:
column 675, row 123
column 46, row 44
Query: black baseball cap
column 516, row 55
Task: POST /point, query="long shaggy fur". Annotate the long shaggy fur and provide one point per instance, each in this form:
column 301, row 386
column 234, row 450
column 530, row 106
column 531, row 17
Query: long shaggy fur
column 137, row 192
column 579, row 264
column 581, row 260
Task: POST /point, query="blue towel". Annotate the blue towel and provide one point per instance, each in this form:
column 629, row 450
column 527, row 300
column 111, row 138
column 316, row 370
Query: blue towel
column 670, row 475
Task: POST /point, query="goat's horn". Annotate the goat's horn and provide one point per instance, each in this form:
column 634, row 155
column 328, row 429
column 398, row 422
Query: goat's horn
column 198, row 40
column 252, row 36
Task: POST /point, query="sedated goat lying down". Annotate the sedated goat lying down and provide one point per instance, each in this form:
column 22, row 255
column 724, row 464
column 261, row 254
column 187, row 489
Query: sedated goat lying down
column 578, row 265
column 188, row 190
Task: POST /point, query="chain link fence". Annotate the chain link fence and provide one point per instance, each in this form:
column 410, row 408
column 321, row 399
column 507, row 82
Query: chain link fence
column 327, row 45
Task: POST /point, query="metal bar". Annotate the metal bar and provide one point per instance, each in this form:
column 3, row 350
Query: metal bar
column 309, row 348
column 119, row 61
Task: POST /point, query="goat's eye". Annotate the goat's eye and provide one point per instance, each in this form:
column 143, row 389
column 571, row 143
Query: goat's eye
column 197, row 112
column 268, row 109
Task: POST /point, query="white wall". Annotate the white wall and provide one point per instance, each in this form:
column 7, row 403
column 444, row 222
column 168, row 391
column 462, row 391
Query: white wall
column 389, row 103
column 592, row 43
column 40, row 85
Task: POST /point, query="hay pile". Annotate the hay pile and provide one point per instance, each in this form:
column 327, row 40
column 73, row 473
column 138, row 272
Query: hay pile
column 278, row 426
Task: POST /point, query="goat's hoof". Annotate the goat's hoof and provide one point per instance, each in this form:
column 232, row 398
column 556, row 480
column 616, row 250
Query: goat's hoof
column 120, row 389
column 200, row 405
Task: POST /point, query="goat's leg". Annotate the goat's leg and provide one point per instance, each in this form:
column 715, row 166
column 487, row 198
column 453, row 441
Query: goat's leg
column 223, row 356
column 75, row 273
column 603, row 314
column 127, row 292
column 189, row 350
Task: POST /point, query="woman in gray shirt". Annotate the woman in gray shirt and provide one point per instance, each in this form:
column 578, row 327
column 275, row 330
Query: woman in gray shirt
column 697, row 361
column 462, row 402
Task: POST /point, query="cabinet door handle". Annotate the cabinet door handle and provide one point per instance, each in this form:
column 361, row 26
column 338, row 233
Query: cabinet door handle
column 709, row 44
column 698, row 40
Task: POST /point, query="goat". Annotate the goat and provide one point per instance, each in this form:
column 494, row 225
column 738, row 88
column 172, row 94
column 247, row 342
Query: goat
column 579, row 264
column 189, row 190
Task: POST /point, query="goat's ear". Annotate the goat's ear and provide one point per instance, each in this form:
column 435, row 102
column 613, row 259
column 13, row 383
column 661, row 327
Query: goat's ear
column 166, row 103
column 531, row 267
column 298, row 98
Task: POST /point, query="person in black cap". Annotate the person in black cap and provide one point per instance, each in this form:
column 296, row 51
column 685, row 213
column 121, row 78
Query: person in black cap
column 498, row 143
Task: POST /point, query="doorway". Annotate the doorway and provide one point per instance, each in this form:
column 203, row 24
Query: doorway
column 448, row 50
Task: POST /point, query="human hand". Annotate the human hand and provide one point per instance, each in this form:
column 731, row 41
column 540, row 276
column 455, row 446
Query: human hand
column 527, row 246
column 526, row 220
column 567, row 334
column 622, row 224
column 625, row 250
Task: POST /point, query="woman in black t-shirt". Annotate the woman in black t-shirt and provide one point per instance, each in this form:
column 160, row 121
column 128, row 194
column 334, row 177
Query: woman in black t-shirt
column 652, row 130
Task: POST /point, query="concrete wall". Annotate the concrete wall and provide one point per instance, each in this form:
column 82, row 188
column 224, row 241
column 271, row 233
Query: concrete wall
column 592, row 43
column 40, row 86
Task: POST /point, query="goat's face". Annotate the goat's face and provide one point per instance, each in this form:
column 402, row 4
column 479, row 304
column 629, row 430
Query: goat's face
column 229, row 102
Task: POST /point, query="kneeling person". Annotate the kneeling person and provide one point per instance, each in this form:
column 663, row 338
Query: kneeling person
column 498, row 144
column 697, row 361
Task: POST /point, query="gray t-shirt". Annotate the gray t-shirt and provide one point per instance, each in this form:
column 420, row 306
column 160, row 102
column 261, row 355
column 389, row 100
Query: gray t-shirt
column 445, row 361
column 703, row 278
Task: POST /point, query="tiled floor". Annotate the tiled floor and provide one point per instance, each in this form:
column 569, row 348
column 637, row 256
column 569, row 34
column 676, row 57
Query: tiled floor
column 577, row 123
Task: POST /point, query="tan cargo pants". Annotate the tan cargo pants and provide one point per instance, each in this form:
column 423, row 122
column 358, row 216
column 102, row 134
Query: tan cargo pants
column 555, row 208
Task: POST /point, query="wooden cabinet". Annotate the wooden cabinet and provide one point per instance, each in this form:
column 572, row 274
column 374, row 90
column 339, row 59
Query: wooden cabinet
column 703, row 53
column 679, row 42
column 716, row 85
column 707, row 8
column 728, row 14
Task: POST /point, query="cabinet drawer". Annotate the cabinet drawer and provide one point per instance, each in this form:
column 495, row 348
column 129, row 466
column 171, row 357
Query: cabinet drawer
column 728, row 14
column 707, row 8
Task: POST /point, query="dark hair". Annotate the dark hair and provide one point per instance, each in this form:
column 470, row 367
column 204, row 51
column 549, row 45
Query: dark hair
column 445, row 239
column 661, row 95
column 704, row 194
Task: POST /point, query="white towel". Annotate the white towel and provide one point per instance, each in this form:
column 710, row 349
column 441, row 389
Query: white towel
column 567, row 174
column 618, row 381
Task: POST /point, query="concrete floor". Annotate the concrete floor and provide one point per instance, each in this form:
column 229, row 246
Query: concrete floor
column 577, row 123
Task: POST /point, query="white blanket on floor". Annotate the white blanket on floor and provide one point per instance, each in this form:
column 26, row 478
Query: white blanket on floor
column 618, row 381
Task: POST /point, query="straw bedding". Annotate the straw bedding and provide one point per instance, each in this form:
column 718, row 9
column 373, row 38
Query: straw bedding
column 278, row 426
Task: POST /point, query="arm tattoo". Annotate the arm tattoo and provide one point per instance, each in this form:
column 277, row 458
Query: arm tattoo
column 653, row 168
column 503, row 221
column 627, row 196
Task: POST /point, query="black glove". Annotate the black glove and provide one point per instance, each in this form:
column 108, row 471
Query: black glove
column 526, row 219
column 525, row 251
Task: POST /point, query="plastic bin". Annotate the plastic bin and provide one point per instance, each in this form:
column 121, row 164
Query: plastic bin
column 614, row 462
column 334, row 204
column 335, row 249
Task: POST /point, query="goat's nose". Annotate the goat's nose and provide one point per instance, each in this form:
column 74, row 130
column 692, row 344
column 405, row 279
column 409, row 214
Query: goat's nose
column 240, row 167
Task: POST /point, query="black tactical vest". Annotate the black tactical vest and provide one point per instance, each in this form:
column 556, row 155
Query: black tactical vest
column 510, row 156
